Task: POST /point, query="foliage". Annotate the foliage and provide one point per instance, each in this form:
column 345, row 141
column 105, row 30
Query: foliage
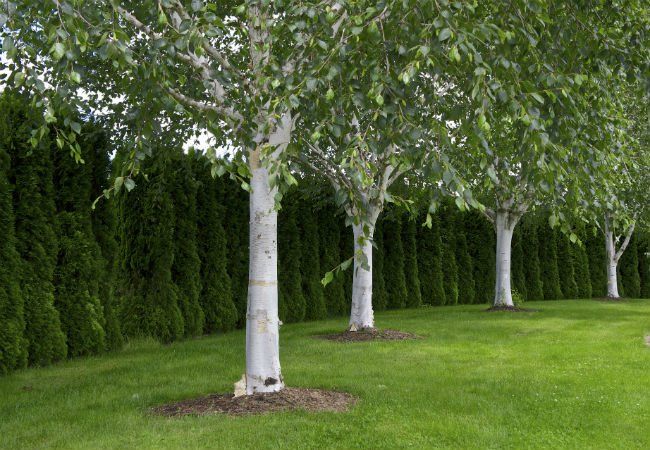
column 186, row 268
column 292, row 304
column 393, row 270
column 216, row 298
column 13, row 344
column 410, row 244
column 430, row 263
column 31, row 175
column 310, row 268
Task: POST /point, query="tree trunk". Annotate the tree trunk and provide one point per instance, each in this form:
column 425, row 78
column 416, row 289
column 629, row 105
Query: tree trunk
column 612, row 263
column 262, row 323
column 504, row 228
column 361, row 314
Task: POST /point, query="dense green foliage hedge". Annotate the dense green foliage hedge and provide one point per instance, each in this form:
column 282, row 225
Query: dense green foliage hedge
column 170, row 258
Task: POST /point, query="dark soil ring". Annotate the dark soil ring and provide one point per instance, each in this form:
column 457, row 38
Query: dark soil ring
column 370, row 334
column 288, row 399
column 510, row 309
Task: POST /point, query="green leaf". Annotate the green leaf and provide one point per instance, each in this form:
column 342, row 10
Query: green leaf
column 129, row 184
column 379, row 99
column 538, row 97
column 445, row 33
column 58, row 50
column 327, row 279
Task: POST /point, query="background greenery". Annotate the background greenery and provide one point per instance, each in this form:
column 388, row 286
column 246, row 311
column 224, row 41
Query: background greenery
column 170, row 259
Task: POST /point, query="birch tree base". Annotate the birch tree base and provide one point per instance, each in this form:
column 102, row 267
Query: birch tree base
column 369, row 334
column 289, row 399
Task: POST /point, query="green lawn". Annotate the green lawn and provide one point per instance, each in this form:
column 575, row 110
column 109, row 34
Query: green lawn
column 576, row 374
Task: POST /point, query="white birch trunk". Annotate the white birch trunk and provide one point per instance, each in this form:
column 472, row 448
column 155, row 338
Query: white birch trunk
column 612, row 263
column 504, row 229
column 361, row 313
column 262, row 323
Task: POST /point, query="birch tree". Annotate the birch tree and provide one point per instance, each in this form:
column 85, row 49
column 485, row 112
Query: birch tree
column 180, row 67
column 530, row 121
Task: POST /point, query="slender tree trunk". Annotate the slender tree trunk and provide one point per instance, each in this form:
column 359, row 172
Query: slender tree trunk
column 612, row 262
column 361, row 314
column 504, row 228
column 262, row 324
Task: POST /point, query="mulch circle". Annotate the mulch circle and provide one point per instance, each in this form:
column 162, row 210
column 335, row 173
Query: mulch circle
column 369, row 334
column 510, row 309
column 288, row 399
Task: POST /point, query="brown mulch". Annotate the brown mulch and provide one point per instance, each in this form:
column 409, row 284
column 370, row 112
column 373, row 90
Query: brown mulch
column 510, row 309
column 369, row 334
column 288, row 399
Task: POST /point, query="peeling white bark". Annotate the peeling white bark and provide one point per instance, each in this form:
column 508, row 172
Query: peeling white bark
column 262, row 323
column 263, row 372
column 504, row 228
column 361, row 313
column 612, row 261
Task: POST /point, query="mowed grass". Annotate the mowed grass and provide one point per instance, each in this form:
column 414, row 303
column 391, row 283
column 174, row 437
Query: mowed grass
column 575, row 374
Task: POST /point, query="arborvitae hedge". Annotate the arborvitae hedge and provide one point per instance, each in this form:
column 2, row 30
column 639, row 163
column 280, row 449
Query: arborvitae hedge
column 644, row 264
column 430, row 263
column 186, row 269
column 95, row 151
column 292, row 305
column 518, row 263
column 466, row 284
column 409, row 238
column 566, row 269
column 379, row 290
column 79, row 260
column 13, row 344
column 36, row 240
column 148, row 296
column 236, row 226
column 329, row 233
column 597, row 263
column 581, row 265
column 215, row 299
column 532, row 270
column 310, row 269
column 481, row 240
column 548, row 261
column 394, row 276
column 77, row 287
column 629, row 266
column 449, row 264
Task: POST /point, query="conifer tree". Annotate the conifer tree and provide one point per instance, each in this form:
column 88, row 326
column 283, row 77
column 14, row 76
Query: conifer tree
column 96, row 153
column 581, row 264
column 466, row 285
column 347, row 252
column 481, row 243
column 79, row 262
column 216, row 292
column 291, row 302
column 644, row 264
column 548, row 262
column 31, row 175
column 518, row 267
column 394, row 276
column 186, row 269
column 236, row 226
column 568, row 284
column 530, row 247
column 629, row 266
column 379, row 289
column 409, row 240
column 449, row 264
column 430, row 263
column 330, row 257
column 310, row 269
column 148, row 295
column 597, row 266
column 77, row 287
column 13, row 344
